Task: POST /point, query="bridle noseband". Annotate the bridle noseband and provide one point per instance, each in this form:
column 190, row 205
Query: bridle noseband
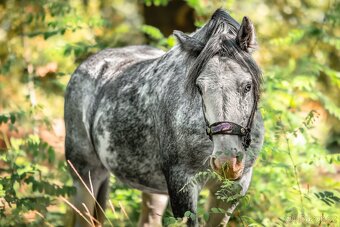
column 231, row 128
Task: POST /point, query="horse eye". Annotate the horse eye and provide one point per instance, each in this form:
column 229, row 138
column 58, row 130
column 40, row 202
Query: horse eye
column 247, row 88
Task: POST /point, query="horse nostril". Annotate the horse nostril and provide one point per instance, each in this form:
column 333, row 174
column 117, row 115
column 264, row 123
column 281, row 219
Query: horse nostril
column 228, row 167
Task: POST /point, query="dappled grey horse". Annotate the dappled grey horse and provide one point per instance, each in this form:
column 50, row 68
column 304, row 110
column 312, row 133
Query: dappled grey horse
column 156, row 119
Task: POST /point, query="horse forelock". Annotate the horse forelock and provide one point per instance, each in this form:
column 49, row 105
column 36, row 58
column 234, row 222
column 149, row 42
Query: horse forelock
column 219, row 38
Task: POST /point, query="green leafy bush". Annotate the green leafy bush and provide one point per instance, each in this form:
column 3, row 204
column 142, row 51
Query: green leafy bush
column 296, row 177
column 27, row 186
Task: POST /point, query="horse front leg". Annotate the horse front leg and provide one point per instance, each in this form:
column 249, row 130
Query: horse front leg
column 153, row 206
column 216, row 219
column 183, row 196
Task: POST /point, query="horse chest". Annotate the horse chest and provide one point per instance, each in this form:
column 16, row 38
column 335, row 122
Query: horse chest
column 130, row 154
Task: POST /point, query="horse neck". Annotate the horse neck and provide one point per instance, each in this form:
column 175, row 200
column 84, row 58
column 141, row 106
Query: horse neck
column 172, row 69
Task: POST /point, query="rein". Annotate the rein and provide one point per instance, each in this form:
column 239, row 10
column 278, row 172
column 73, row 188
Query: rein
column 231, row 128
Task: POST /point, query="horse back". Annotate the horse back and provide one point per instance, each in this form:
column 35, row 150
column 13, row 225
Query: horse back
column 85, row 85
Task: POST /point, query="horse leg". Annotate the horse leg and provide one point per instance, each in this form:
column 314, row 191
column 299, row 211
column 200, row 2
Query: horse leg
column 99, row 211
column 153, row 206
column 222, row 219
column 182, row 197
column 81, row 200
column 87, row 202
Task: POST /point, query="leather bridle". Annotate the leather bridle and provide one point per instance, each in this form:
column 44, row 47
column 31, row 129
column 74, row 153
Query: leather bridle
column 231, row 128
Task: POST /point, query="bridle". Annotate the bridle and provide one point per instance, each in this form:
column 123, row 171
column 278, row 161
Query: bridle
column 231, row 128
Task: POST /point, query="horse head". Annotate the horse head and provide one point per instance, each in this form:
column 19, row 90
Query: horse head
column 228, row 80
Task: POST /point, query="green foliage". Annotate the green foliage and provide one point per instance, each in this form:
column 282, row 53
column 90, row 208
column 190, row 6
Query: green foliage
column 157, row 38
column 4, row 118
column 295, row 180
column 293, row 37
column 78, row 49
column 327, row 197
column 26, row 184
column 156, row 2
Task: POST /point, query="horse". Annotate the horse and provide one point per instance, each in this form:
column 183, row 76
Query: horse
column 155, row 119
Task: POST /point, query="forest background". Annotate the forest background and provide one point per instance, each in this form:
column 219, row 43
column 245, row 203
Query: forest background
column 296, row 180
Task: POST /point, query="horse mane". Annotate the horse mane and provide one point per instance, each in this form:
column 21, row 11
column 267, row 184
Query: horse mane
column 218, row 36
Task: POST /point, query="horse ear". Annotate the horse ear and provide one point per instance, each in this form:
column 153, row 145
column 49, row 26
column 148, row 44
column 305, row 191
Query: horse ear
column 246, row 37
column 188, row 43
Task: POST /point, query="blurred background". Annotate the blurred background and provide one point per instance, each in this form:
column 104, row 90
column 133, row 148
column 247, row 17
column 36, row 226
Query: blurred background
column 296, row 181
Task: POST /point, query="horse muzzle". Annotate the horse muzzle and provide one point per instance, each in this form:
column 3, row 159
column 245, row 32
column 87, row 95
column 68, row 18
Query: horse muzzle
column 230, row 168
